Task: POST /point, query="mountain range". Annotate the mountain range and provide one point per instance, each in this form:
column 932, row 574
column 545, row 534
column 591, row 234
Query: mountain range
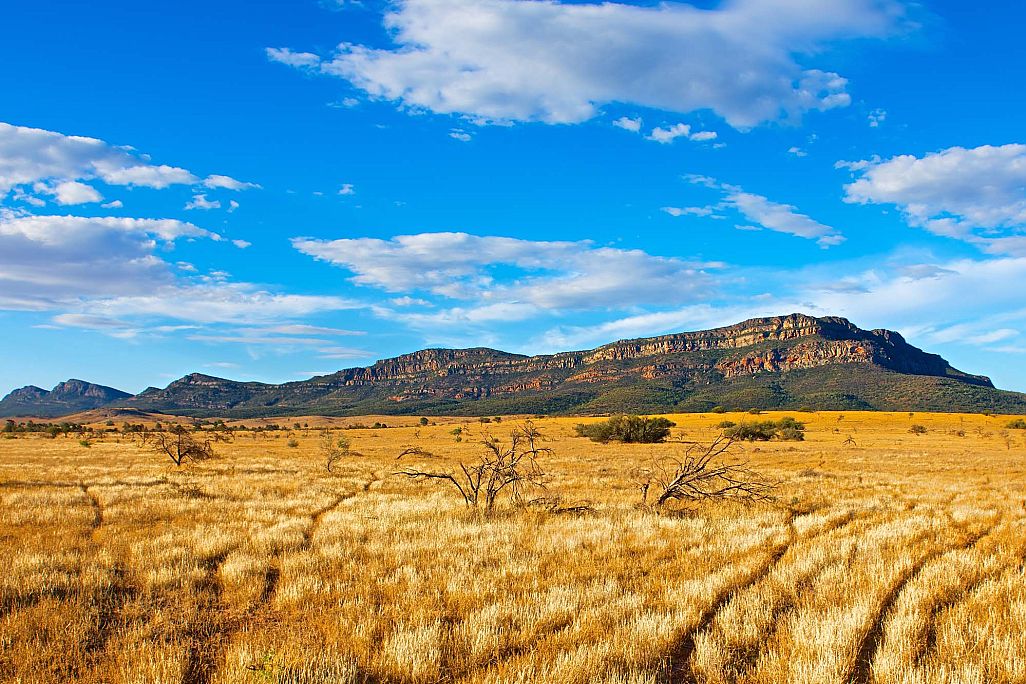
column 64, row 399
column 787, row 362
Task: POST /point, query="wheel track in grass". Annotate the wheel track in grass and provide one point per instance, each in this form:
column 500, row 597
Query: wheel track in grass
column 928, row 636
column 861, row 669
column 109, row 603
column 206, row 642
column 210, row 640
column 677, row 667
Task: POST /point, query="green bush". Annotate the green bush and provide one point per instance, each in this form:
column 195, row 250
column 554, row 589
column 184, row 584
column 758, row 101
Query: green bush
column 1017, row 424
column 787, row 429
column 790, row 434
column 292, row 443
column 723, row 424
column 918, row 429
column 718, row 409
column 631, row 429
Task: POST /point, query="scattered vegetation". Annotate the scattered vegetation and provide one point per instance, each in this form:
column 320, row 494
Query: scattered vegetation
column 785, row 429
column 917, row 429
column 627, row 429
column 1017, row 424
column 901, row 565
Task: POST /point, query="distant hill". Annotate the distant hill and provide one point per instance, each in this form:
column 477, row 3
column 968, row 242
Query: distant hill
column 785, row 362
column 66, row 398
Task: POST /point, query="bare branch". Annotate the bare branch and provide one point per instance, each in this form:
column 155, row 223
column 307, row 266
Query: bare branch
column 701, row 475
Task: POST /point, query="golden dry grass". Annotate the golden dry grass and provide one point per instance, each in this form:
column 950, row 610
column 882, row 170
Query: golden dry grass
column 897, row 559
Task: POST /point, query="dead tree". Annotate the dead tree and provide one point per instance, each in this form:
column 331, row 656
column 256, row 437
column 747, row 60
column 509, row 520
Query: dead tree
column 179, row 444
column 511, row 468
column 704, row 473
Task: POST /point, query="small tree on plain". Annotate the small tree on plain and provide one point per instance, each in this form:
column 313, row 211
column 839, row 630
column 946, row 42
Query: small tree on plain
column 704, row 473
column 334, row 449
column 180, row 444
column 511, row 468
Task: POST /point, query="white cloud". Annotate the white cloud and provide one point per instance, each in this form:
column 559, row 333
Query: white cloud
column 629, row 124
column 977, row 195
column 668, row 135
column 300, row 60
column 347, row 189
column 514, row 60
column 31, row 156
column 227, row 183
column 689, row 211
column 535, row 275
column 798, row 152
column 460, row 134
column 409, row 301
column 116, row 204
column 783, row 218
column 703, row 136
column 200, row 201
column 242, row 244
column 762, row 212
column 49, row 259
column 877, row 117
column 72, row 192
column 232, row 206
column 964, row 302
column 302, row 329
column 145, row 175
column 223, row 302
column 106, row 274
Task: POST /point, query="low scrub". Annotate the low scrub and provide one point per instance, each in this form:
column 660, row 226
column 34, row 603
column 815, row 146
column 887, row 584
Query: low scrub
column 630, row 429
column 786, row 429
column 1017, row 424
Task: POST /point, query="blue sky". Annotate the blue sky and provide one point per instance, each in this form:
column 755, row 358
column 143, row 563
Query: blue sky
column 273, row 190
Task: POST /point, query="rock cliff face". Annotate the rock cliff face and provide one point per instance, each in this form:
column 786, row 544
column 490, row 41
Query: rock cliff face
column 794, row 360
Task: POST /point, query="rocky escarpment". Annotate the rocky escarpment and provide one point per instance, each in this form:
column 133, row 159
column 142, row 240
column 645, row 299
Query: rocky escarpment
column 794, row 360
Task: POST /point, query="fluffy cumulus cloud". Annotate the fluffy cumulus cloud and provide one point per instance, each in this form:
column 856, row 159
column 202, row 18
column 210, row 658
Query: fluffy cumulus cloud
column 560, row 62
column 107, row 274
column 499, row 277
column 51, row 163
column 45, row 260
column 977, row 195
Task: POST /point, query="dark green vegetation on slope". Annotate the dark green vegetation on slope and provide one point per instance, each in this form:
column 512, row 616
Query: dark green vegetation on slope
column 64, row 399
column 787, row 362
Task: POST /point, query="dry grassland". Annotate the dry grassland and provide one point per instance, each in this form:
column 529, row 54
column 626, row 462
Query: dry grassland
column 897, row 559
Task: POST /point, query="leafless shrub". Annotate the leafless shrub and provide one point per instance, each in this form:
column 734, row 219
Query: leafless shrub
column 557, row 506
column 414, row 451
column 702, row 474
column 512, row 468
column 180, row 444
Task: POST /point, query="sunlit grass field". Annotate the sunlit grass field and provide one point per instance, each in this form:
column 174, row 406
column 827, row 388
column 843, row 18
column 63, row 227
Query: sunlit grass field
column 887, row 556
